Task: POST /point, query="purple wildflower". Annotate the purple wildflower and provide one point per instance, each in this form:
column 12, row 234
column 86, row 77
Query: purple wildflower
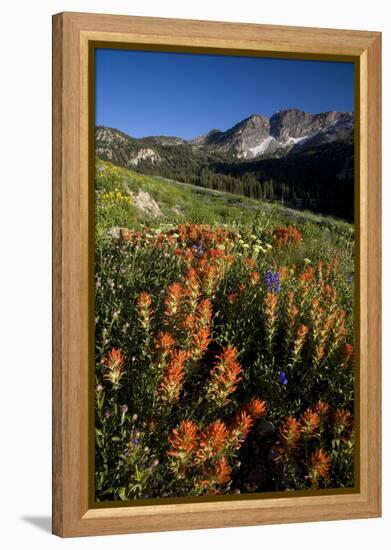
column 198, row 251
column 282, row 378
column 273, row 281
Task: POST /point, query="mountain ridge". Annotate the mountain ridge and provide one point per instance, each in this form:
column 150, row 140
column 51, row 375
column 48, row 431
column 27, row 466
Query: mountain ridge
column 294, row 156
column 255, row 136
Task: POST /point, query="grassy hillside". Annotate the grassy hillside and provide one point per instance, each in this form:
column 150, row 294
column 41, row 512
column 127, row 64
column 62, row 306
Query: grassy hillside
column 117, row 190
column 125, row 198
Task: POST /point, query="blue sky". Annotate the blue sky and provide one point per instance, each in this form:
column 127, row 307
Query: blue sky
column 186, row 95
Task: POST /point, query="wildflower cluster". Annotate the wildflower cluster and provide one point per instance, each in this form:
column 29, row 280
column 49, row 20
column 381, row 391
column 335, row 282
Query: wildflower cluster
column 309, row 449
column 287, row 236
column 205, row 455
column 116, row 197
column 224, row 361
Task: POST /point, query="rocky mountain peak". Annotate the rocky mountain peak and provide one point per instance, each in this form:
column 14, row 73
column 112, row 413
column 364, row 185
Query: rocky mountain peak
column 287, row 130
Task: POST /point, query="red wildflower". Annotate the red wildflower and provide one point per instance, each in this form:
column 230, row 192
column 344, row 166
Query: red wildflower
column 209, row 279
column 293, row 311
column 307, row 276
column 173, row 301
column 201, row 340
column 249, row 262
column 213, row 439
column 322, row 408
column 310, row 421
column 318, row 353
column 188, row 323
column 342, row 421
column 298, row 344
column 347, row 355
column 270, row 311
column 256, row 408
column 225, row 377
column 223, row 471
column 143, row 305
column 290, row 432
column 204, row 313
column 114, row 366
column 287, row 236
column 240, row 428
column 163, row 343
column 174, row 375
column 254, row 278
column 192, row 288
column 319, row 467
column 183, row 440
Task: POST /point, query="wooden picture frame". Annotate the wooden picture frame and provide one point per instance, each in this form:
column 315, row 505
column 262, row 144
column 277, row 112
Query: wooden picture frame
column 73, row 34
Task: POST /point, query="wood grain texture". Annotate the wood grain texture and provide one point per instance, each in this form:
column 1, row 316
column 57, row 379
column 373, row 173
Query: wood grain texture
column 72, row 33
column 57, row 462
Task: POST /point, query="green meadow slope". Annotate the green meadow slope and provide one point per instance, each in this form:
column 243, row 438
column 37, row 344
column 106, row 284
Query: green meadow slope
column 130, row 199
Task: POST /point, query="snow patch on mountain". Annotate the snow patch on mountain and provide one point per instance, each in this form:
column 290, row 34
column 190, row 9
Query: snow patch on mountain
column 262, row 147
column 293, row 141
column 259, row 149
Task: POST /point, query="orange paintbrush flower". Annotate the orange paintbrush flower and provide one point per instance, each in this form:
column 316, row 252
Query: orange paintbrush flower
column 290, row 432
column 174, row 375
column 193, row 290
column 322, row 408
column 254, row 278
column 284, row 272
column 298, row 344
column 285, row 236
column 223, row 471
column 256, row 408
column 209, row 279
column 188, row 323
column 289, row 435
column 347, row 355
column 310, row 421
column 270, row 312
column 173, row 301
column 183, row 441
column 249, row 262
column 240, row 428
column 342, row 421
column 319, row 467
column 201, row 340
column 144, row 300
column 307, row 276
column 292, row 309
column 212, row 440
column 318, row 354
column 340, row 330
column 164, row 343
column 204, row 314
column 213, row 477
column 143, row 305
column 114, row 367
column 225, row 377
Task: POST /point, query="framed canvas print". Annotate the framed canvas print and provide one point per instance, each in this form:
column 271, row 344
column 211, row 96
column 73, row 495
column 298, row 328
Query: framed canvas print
column 216, row 274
